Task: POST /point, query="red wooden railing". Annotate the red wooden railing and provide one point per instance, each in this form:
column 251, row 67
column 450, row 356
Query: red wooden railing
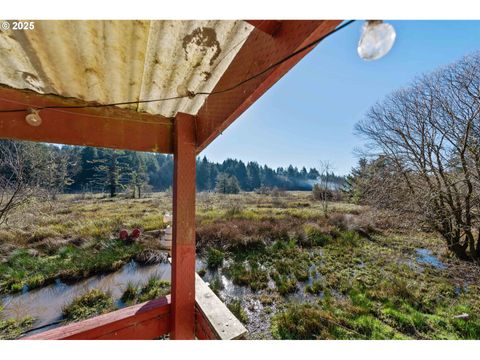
column 149, row 320
column 153, row 319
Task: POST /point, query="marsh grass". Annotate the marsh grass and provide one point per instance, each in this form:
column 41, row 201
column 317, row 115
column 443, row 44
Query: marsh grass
column 235, row 306
column 70, row 263
column 153, row 289
column 92, row 303
column 216, row 285
column 214, row 258
column 13, row 328
column 367, row 283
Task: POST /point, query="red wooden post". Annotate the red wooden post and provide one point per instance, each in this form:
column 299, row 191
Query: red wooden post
column 183, row 244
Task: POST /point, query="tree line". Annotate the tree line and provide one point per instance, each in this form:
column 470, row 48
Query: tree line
column 72, row 169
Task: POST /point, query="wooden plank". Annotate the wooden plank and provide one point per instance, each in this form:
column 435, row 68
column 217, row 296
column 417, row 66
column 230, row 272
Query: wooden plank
column 212, row 311
column 183, row 243
column 148, row 320
column 259, row 52
column 110, row 127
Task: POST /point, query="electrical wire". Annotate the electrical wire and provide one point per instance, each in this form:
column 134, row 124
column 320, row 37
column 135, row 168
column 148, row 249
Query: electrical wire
column 193, row 94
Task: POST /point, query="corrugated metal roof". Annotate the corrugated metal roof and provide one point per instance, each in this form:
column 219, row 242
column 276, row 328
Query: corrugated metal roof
column 117, row 61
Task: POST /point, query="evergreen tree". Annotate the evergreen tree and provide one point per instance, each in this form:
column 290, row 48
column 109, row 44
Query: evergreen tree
column 227, row 184
column 254, row 179
column 356, row 181
column 110, row 171
column 203, row 175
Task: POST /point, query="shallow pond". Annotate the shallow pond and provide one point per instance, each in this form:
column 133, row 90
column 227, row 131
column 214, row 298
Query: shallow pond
column 426, row 256
column 46, row 304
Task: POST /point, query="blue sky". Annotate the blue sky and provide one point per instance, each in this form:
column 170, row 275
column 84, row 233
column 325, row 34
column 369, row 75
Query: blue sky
column 309, row 115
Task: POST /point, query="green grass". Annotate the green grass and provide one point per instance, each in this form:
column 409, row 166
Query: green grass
column 236, row 308
column 284, row 284
column 216, row 285
column 359, row 316
column 362, row 288
column 249, row 274
column 153, row 289
column 214, row 258
column 93, row 303
column 13, row 328
column 69, row 263
column 130, row 294
column 315, row 288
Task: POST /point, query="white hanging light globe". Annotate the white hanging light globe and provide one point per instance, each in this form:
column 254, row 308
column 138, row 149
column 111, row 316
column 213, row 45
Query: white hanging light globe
column 376, row 40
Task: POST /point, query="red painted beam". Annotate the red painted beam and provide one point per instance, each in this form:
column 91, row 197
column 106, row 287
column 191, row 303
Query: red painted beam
column 203, row 330
column 183, row 244
column 145, row 321
column 110, row 127
column 267, row 26
column 259, row 52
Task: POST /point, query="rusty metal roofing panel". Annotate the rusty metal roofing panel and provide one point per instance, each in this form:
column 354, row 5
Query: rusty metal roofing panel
column 118, row 61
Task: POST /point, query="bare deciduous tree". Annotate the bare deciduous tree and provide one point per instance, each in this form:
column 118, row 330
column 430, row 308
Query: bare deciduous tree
column 429, row 134
column 323, row 189
column 14, row 187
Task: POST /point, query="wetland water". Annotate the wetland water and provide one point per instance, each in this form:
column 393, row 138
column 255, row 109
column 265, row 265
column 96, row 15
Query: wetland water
column 45, row 304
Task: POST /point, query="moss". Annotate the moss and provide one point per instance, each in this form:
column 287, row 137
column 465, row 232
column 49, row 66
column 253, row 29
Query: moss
column 92, row 303
column 374, row 329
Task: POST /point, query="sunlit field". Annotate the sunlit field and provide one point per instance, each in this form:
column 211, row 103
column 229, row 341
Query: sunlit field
column 284, row 269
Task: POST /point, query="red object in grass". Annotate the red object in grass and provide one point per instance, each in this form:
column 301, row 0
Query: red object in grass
column 123, row 235
column 135, row 233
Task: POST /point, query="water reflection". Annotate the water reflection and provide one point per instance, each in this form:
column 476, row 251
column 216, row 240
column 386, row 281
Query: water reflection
column 46, row 304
